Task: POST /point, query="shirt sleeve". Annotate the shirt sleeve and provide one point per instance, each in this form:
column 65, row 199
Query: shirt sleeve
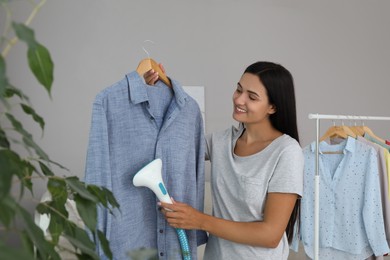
column 288, row 173
column 97, row 171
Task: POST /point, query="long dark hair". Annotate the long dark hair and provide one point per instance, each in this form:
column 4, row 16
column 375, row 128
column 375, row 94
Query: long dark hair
column 279, row 84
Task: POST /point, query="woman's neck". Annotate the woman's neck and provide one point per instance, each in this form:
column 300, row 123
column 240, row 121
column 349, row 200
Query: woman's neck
column 260, row 133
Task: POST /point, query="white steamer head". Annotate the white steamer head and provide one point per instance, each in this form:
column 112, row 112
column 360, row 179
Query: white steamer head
column 150, row 176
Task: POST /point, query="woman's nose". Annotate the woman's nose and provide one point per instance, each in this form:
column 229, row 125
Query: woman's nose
column 240, row 99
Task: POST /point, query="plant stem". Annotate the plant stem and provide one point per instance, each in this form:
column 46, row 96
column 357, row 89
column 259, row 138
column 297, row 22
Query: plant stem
column 14, row 40
column 7, row 22
column 56, row 211
column 34, row 12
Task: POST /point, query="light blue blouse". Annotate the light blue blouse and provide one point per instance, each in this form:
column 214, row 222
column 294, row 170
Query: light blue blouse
column 351, row 218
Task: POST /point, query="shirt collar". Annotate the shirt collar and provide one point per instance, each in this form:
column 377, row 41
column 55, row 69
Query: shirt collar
column 347, row 145
column 136, row 87
column 138, row 93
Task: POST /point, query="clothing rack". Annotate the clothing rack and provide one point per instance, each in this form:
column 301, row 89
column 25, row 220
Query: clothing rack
column 318, row 117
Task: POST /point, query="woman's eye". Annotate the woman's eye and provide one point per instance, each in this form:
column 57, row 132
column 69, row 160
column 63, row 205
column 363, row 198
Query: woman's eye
column 238, row 90
column 252, row 98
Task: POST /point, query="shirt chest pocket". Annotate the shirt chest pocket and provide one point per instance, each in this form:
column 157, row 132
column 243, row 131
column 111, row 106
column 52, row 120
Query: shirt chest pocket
column 250, row 187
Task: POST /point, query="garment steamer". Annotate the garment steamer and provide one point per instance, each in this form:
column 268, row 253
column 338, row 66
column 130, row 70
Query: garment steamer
column 150, row 176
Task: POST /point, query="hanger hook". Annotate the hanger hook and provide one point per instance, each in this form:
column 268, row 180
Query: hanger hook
column 147, row 53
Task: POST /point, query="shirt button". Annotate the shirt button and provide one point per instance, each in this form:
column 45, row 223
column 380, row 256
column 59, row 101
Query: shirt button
column 161, row 254
column 151, row 118
column 161, row 231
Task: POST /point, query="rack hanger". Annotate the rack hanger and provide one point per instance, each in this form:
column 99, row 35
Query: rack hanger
column 367, row 130
column 148, row 64
column 358, row 130
column 340, row 131
column 318, row 117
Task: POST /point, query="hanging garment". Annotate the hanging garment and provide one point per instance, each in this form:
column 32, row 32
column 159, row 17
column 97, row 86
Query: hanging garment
column 351, row 218
column 241, row 184
column 127, row 132
column 383, row 179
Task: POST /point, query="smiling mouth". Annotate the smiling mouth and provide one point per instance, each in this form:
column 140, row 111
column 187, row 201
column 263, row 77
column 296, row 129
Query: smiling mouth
column 240, row 110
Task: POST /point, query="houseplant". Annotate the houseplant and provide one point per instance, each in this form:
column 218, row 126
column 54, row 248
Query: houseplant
column 22, row 160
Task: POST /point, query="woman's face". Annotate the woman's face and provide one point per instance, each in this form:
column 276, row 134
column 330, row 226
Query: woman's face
column 250, row 101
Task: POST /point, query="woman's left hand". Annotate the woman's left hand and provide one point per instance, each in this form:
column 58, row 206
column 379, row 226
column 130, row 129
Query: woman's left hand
column 181, row 215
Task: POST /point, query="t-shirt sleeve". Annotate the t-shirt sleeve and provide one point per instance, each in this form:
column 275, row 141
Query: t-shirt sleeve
column 208, row 147
column 288, row 173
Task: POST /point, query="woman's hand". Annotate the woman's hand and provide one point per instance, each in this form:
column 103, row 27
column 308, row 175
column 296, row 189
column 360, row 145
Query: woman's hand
column 181, row 215
column 151, row 76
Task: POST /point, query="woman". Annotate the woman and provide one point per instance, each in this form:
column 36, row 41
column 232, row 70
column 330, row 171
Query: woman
column 256, row 172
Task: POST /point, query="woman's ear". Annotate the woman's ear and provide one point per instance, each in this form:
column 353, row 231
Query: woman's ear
column 272, row 109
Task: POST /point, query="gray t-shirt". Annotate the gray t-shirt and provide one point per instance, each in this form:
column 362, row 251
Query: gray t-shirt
column 240, row 186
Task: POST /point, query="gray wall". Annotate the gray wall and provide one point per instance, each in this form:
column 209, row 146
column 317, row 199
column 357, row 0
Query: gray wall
column 337, row 51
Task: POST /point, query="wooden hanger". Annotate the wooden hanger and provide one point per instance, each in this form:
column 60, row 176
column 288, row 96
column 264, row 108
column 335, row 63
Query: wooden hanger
column 358, row 130
column 362, row 129
column 338, row 131
column 148, row 64
column 367, row 130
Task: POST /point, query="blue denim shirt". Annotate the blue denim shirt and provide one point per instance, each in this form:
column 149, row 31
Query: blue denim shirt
column 124, row 137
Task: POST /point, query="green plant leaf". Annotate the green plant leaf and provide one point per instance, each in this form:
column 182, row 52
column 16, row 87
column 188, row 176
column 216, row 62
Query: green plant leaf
column 7, row 206
column 45, row 248
column 11, row 91
column 80, row 188
column 46, row 171
column 57, row 189
column 83, row 256
column 10, row 165
column 7, row 252
column 143, row 254
column 27, row 137
column 110, row 197
column 97, row 192
column 105, row 196
column 24, row 33
column 13, row 165
column 56, row 227
column 37, row 118
column 105, row 244
column 59, row 165
column 87, row 211
column 25, row 177
column 57, row 220
column 27, row 243
column 59, row 209
column 79, row 238
column 38, row 56
column 41, row 65
column 3, row 77
column 29, row 142
column 4, row 140
column 42, row 208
